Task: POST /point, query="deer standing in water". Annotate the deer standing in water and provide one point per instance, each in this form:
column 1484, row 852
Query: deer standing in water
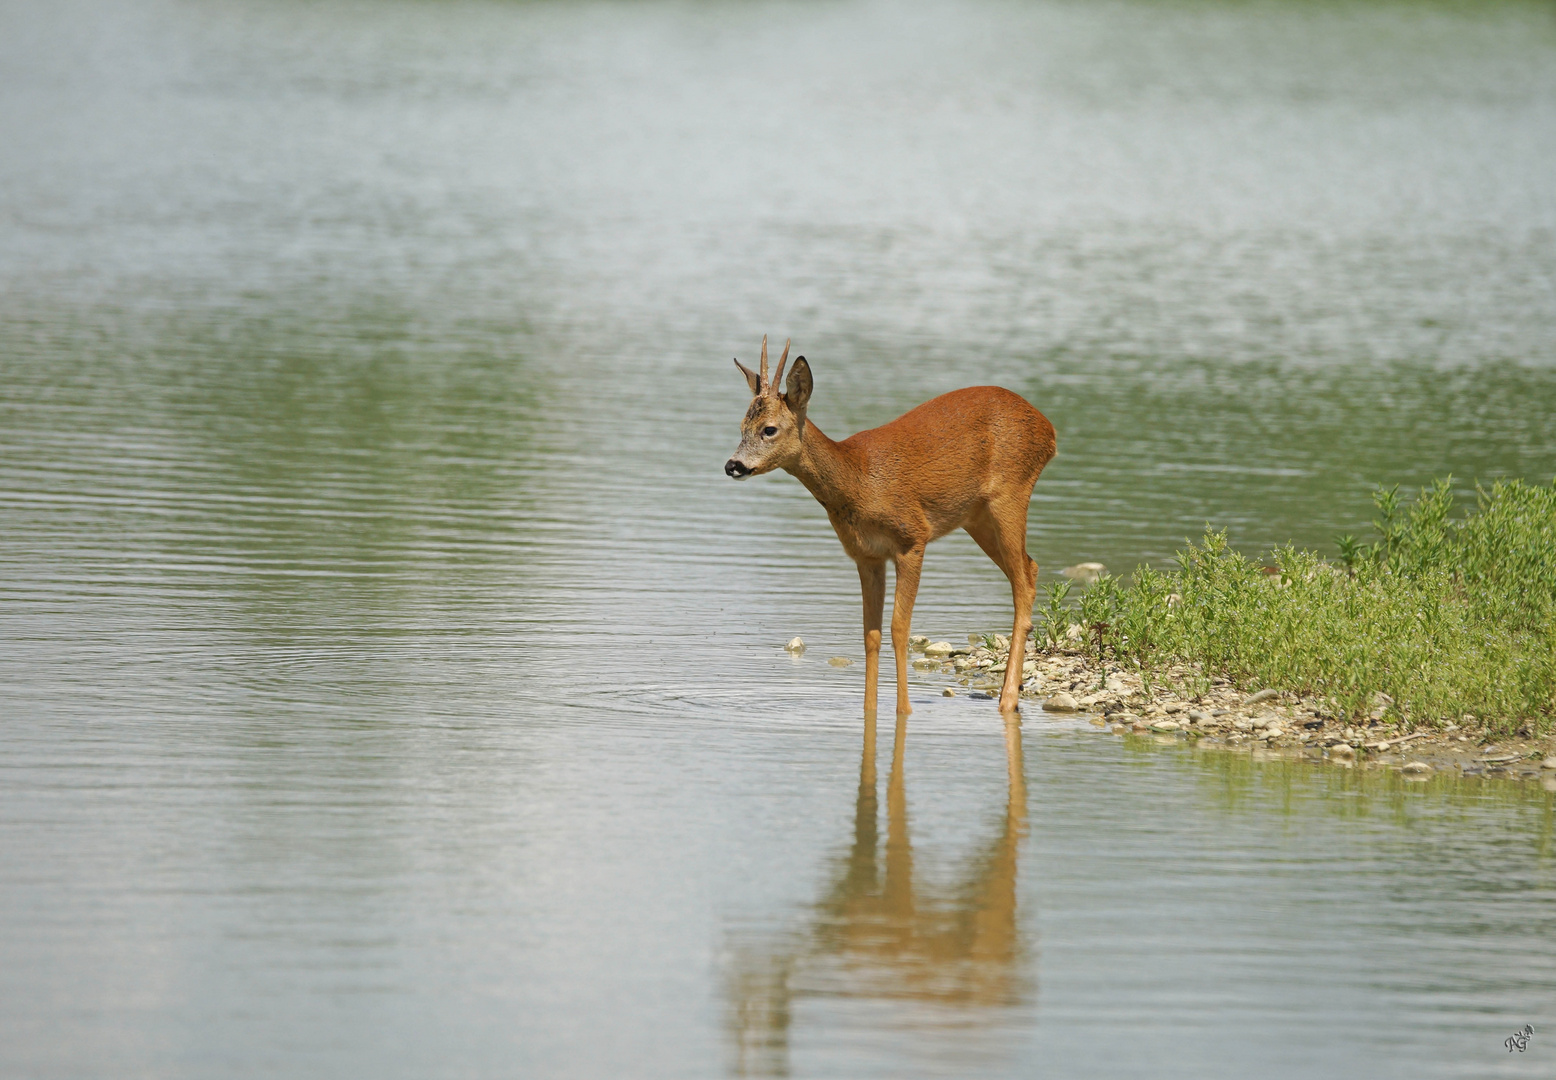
column 964, row 460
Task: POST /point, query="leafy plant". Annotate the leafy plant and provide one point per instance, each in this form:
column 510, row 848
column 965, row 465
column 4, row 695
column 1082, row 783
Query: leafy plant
column 1352, row 551
column 1099, row 609
column 1054, row 619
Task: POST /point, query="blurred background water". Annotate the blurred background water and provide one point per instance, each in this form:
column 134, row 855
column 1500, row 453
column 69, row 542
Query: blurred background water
column 391, row 679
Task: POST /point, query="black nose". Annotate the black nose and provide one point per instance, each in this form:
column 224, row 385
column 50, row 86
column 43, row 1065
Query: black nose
column 735, row 468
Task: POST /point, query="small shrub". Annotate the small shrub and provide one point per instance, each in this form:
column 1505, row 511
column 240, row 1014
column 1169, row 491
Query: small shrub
column 1055, row 620
column 1099, row 610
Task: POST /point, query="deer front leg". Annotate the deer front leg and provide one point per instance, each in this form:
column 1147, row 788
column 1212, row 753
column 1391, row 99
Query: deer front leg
column 908, row 567
column 872, row 583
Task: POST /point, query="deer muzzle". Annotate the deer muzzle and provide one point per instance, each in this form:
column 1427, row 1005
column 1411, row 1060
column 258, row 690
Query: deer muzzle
column 736, row 470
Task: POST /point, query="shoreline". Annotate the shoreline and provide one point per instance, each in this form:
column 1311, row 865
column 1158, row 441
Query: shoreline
column 1066, row 681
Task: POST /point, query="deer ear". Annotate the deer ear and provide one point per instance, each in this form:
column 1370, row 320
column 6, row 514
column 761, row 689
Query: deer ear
column 797, row 393
column 753, row 380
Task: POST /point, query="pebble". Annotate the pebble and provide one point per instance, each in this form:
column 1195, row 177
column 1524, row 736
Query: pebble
column 1165, row 725
column 1060, row 702
column 1416, row 767
column 1262, row 695
column 1342, row 750
column 926, row 664
column 1119, row 729
column 840, row 661
column 1198, row 716
column 795, row 646
column 939, row 649
column 948, row 692
column 1548, row 763
column 918, row 643
column 1273, row 732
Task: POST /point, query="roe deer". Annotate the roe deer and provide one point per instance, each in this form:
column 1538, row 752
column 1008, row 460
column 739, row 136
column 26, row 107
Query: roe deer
column 964, row 460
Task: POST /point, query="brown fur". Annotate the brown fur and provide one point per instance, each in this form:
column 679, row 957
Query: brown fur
column 964, row 460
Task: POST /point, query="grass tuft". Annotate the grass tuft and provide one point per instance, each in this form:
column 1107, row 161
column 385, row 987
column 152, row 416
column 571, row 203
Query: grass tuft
column 1434, row 619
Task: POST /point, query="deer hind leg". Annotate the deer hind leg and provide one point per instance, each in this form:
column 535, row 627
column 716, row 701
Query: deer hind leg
column 909, row 566
column 1000, row 529
column 872, row 583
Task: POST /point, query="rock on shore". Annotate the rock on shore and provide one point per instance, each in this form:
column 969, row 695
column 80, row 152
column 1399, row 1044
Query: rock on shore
column 1086, row 573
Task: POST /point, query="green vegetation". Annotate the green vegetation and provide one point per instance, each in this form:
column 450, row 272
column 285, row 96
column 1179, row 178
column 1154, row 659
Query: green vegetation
column 1444, row 617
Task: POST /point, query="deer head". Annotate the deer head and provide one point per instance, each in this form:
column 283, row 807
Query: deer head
column 771, row 433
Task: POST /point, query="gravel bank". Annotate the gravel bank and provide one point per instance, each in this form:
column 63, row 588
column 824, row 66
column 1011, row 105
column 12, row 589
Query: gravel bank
column 1217, row 714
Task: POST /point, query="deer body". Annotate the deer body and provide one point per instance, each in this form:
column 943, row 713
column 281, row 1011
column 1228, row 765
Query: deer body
column 965, row 460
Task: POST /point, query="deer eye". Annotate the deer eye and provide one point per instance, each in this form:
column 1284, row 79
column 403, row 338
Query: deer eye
column 769, row 432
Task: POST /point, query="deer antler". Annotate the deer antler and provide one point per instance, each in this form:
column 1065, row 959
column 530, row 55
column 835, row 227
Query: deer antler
column 767, row 387
column 782, row 360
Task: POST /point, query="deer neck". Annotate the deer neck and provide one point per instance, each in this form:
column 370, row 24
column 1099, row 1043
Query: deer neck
column 827, row 469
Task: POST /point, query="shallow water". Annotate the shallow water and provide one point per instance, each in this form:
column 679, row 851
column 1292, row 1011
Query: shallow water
column 392, row 680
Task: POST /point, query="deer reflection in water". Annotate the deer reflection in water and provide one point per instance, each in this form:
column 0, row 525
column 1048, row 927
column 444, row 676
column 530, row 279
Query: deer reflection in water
column 879, row 934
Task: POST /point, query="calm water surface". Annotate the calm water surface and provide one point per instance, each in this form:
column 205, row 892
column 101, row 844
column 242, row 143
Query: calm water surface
column 391, row 679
